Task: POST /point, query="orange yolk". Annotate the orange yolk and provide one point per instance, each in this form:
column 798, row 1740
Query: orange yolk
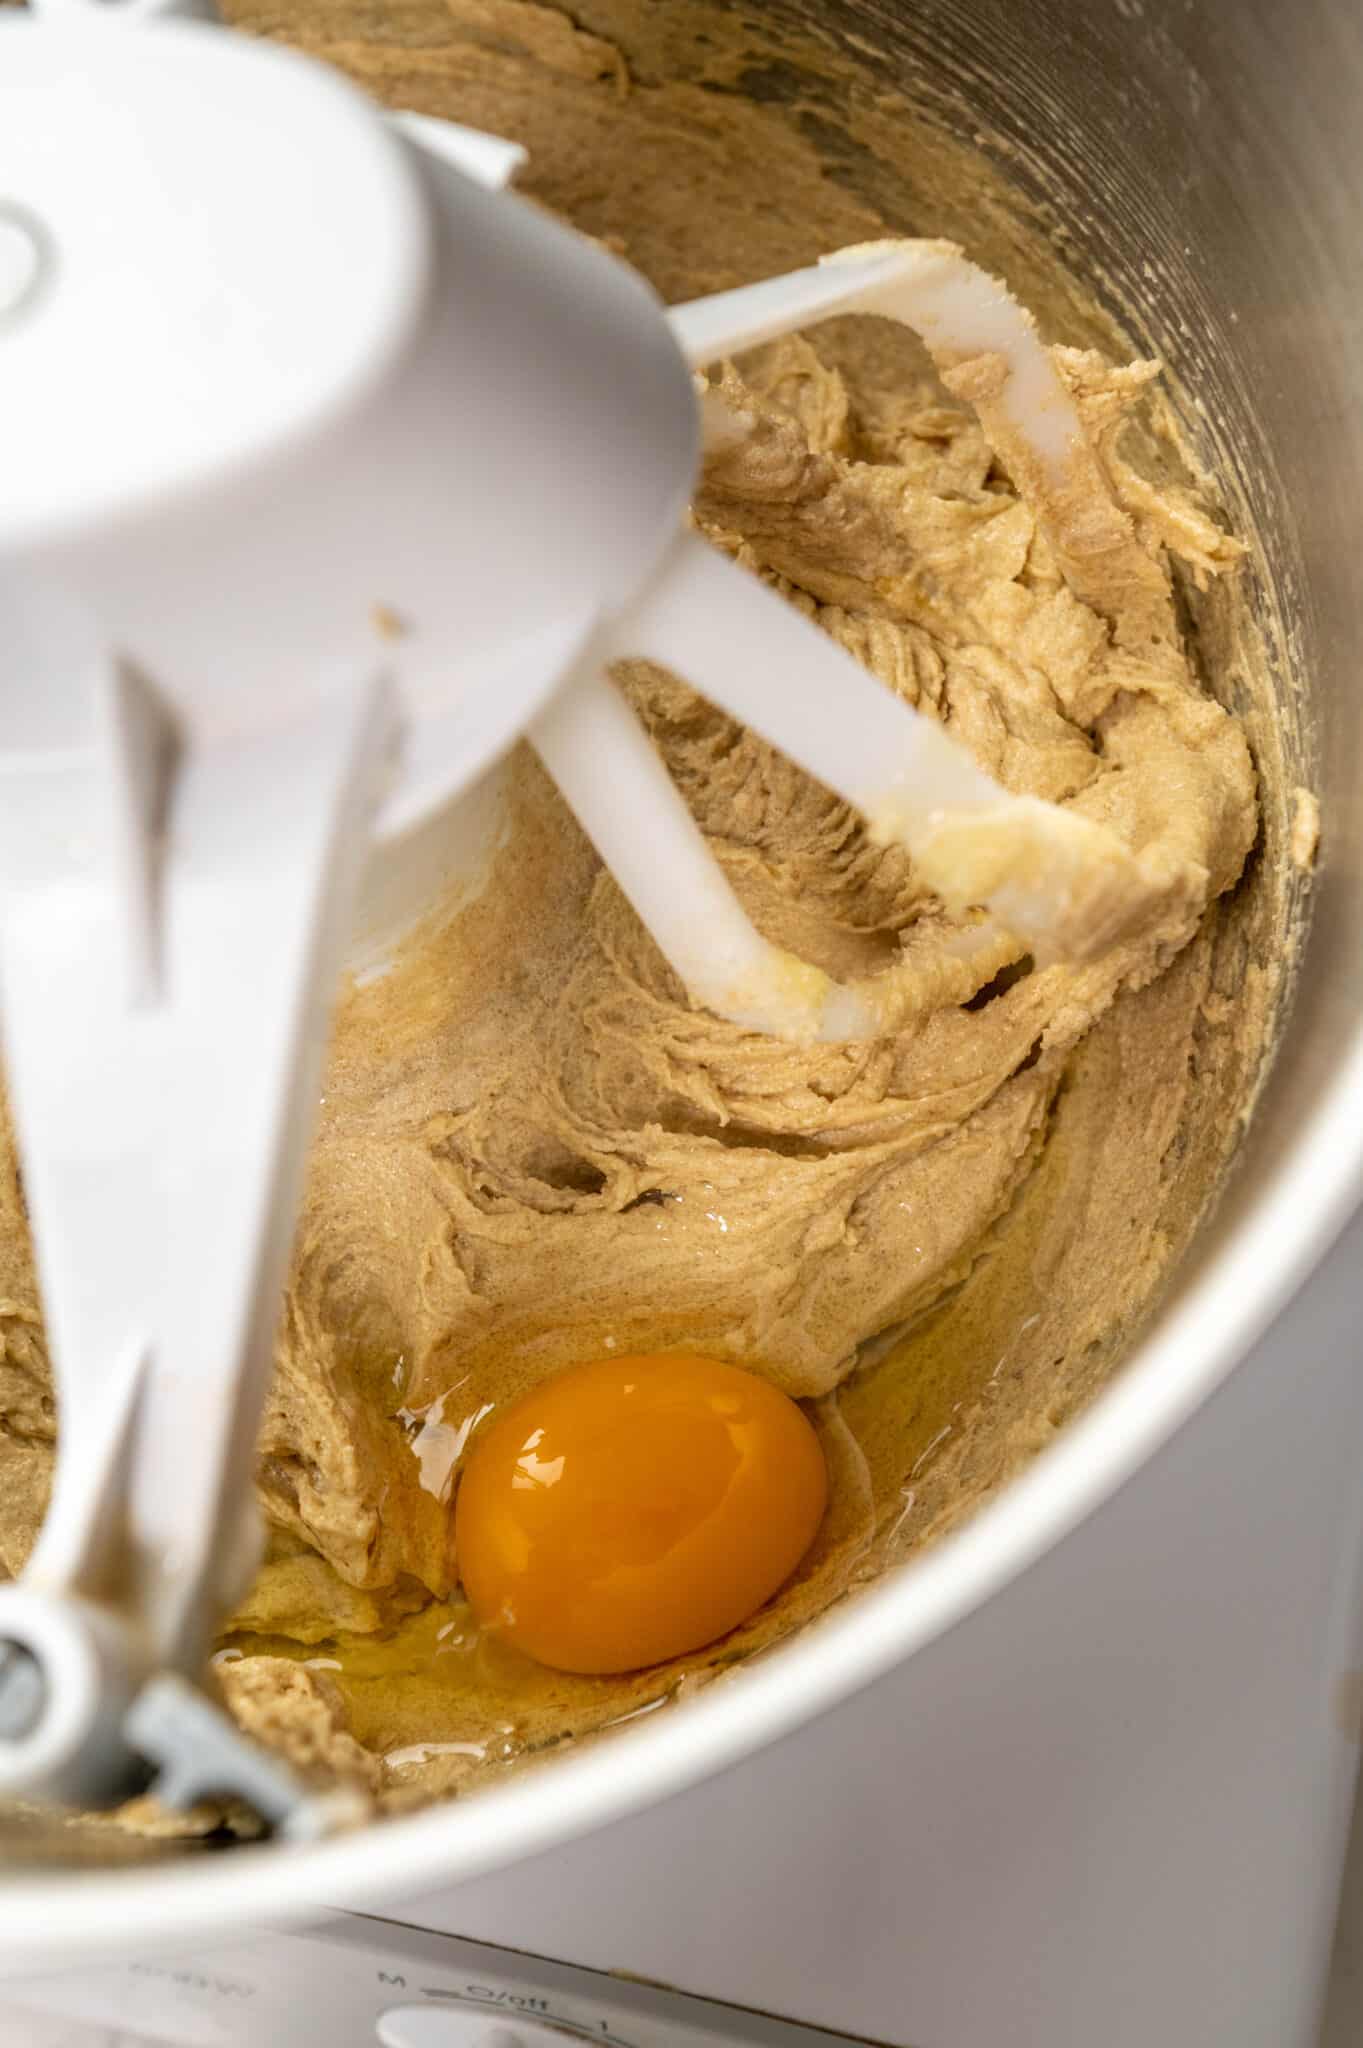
column 636, row 1508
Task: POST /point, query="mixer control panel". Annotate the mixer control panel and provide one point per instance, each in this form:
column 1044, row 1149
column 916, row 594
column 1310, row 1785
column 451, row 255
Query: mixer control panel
column 357, row 1982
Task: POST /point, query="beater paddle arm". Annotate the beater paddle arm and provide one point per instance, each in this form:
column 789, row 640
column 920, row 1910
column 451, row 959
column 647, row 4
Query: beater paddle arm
column 172, row 922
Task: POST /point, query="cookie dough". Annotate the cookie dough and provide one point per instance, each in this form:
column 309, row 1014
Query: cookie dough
column 533, row 1151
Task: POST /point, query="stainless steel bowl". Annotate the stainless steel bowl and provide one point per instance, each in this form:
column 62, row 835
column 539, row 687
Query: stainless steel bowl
column 1200, row 166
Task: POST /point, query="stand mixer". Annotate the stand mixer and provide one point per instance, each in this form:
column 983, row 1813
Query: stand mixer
column 256, row 340
column 1082, row 1771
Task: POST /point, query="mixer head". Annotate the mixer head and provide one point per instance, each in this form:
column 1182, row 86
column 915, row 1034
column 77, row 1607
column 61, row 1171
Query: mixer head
column 273, row 367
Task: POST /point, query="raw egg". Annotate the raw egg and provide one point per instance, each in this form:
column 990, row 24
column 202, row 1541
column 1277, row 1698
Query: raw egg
column 635, row 1508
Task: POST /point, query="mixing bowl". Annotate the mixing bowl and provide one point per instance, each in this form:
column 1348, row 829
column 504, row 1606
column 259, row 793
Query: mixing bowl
column 1201, row 177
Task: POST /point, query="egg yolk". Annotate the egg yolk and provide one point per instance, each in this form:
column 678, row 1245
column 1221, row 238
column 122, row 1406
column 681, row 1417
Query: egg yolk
column 636, row 1508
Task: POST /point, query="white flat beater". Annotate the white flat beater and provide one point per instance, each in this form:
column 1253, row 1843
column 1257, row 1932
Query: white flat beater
column 268, row 358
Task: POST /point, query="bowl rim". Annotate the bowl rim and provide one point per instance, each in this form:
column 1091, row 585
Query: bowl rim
column 1290, row 1223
